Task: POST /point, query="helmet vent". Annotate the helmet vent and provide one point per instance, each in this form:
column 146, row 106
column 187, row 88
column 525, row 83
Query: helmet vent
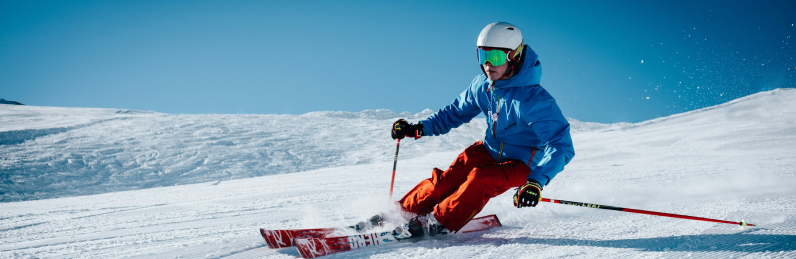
column 510, row 28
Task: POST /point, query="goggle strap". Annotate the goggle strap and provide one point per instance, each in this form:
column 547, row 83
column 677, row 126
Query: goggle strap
column 519, row 50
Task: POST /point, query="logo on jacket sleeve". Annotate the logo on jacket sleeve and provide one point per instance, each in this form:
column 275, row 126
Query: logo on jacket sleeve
column 548, row 152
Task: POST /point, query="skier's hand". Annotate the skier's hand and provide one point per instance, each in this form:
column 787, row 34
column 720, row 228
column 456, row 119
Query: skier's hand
column 401, row 129
column 528, row 195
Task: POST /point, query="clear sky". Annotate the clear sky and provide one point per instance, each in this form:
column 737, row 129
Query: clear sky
column 604, row 62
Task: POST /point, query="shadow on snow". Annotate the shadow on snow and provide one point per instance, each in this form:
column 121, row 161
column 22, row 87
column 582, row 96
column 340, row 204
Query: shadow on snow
column 739, row 242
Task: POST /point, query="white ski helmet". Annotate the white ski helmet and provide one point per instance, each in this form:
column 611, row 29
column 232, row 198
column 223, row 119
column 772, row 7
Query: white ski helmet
column 503, row 35
column 500, row 35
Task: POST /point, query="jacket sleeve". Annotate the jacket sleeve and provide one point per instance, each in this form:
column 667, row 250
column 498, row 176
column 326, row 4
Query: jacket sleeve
column 556, row 152
column 555, row 148
column 461, row 111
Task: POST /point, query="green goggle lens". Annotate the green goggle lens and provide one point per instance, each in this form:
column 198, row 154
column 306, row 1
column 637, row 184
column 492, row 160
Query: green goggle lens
column 495, row 57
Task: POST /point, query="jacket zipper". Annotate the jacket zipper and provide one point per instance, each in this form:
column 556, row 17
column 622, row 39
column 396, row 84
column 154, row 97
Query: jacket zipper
column 494, row 122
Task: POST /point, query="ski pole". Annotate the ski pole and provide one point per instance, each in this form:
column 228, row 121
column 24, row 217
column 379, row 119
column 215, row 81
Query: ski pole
column 394, row 165
column 582, row 204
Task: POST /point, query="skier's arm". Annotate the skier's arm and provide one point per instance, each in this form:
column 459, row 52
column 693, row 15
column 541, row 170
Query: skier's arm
column 555, row 153
column 461, row 111
column 555, row 149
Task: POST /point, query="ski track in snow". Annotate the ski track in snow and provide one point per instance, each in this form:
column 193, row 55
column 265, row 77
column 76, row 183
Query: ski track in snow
column 106, row 183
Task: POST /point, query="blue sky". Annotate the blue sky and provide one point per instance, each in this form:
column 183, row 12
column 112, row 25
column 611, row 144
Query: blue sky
column 294, row 57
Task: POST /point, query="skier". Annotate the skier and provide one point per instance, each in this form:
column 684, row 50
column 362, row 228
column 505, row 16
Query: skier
column 527, row 140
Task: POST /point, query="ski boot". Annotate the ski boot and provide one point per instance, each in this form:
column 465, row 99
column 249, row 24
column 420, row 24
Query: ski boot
column 420, row 226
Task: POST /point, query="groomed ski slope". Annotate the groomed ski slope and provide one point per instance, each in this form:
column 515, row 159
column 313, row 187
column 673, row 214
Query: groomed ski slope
column 85, row 183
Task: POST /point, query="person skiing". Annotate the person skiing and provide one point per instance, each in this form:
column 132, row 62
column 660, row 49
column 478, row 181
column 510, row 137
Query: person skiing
column 527, row 140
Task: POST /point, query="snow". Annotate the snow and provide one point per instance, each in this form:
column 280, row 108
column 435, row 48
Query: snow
column 108, row 183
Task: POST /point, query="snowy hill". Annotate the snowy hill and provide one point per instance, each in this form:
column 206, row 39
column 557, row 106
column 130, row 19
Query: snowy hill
column 53, row 152
column 237, row 173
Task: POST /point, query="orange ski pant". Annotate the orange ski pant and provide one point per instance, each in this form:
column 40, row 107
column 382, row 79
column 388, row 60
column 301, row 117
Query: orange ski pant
column 456, row 195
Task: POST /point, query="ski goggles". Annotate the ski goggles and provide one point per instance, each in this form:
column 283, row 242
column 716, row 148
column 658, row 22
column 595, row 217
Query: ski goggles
column 496, row 57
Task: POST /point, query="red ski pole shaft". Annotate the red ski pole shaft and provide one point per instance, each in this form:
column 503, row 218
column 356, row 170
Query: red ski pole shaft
column 654, row 213
column 394, row 165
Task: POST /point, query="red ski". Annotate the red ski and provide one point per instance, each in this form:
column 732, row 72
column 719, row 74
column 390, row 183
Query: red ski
column 314, row 247
column 284, row 238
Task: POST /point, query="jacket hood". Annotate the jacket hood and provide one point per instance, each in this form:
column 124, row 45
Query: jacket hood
column 530, row 73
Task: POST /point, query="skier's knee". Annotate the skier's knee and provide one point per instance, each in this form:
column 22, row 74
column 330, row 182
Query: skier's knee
column 481, row 173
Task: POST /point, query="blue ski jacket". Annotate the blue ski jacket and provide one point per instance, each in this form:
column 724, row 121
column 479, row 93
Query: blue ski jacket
column 524, row 121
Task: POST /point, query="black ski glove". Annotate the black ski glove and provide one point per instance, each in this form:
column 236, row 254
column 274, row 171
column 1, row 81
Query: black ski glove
column 528, row 195
column 401, row 129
